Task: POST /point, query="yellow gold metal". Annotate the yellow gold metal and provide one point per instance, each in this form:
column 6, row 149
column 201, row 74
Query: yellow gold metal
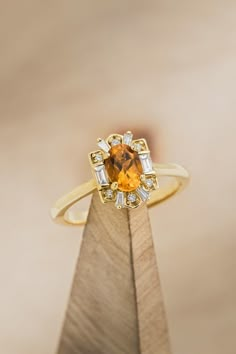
column 143, row 178
column 61, row 212
column 114, row 186
column 142, row 143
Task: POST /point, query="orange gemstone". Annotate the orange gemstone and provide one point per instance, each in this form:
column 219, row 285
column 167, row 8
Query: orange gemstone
column 124, row 167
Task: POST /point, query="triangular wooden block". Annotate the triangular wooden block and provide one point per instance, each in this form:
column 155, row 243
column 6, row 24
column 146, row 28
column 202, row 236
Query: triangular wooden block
column 116, row 305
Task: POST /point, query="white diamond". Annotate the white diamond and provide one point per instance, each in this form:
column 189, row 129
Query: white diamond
column 132, row 197
column 137, row 147
column 98, row 157
column 103, row 145
column 143, row 193
column 115, row 142
column 120, row 200
column 149, row 183
column 101, row 175
column 146, row 163
column 109, row 194
column 127, row 139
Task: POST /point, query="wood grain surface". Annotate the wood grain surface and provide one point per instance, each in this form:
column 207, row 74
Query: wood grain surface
column 116, row 305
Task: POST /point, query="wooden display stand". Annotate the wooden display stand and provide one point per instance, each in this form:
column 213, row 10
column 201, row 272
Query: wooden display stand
column 116, row 305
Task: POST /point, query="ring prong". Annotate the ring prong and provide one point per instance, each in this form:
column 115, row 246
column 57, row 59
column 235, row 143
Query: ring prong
column 143, row 178
column 114, row 186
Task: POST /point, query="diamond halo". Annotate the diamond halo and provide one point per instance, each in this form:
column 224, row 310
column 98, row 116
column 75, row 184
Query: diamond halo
column 123, row 170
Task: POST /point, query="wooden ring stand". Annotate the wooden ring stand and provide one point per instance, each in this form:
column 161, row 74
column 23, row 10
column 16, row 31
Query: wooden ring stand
column 116, row 305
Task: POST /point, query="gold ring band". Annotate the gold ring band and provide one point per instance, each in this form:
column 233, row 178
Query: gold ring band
column 62, row 214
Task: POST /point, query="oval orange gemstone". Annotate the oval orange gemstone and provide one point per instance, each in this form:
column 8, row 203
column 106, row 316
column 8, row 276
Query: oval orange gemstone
column 124, row 167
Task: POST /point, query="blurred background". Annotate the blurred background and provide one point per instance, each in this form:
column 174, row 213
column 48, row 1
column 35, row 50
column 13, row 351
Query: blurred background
column 72, row 71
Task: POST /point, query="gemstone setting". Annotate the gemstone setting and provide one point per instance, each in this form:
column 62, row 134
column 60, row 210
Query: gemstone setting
column 144, row 194
column 127, row 139
column 137, row 147
column 120, row 200
column 101, row 175
column 115, row 142
column 123, row 170
column 132, row 197
column 103, row 145
column 123, row 165
column 146, row 162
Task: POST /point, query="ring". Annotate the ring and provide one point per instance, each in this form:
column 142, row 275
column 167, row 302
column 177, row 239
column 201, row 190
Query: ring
column 124, row 176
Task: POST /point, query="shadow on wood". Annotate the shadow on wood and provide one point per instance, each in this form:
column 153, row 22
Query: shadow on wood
column 116, row 304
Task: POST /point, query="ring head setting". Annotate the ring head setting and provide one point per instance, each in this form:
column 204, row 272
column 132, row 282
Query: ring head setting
column 123, row 170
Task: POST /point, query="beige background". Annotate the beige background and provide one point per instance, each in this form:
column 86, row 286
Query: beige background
column 71, row 71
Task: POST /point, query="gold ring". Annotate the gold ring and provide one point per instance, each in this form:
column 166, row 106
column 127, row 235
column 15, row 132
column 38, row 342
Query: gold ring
column 124, row 175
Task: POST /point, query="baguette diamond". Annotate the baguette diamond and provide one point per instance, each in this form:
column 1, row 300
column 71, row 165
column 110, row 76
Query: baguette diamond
column 146, row 162
column 101, row 175
column 127, row 139
column 120, row 200
column 144, row 195
column 103, row 145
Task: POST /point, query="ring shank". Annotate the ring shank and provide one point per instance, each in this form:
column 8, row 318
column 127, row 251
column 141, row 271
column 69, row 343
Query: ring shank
column 62, row 214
